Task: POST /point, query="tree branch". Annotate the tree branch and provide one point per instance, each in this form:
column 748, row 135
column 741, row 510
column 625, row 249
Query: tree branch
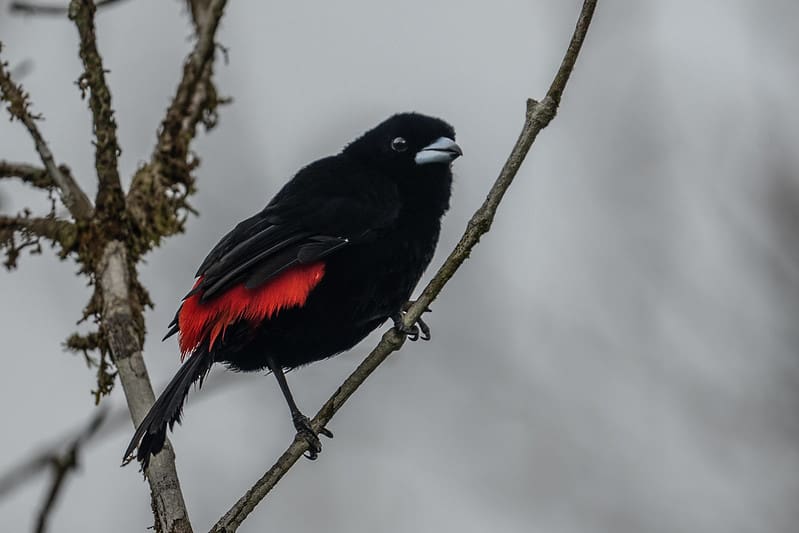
column 36, row 176
column 18, row 106
column 108, row 245
column 121, row 317
column 25, row 8
column 195, row 72
column 63, row 464
column 117, row 420
column 159, row 191
column 110, row 200
column 199, row 12
column 32, row 229
column 538, row 116
column 119, row 325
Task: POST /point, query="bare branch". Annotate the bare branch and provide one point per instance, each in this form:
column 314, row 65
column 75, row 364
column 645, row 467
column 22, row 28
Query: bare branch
column 102, row 421
column 36, row 176
column 18, row 106
column 25, row 8
column 118, row 420
column 538, row 117
column 110, row 199
column 63, row 464
column 125, row 340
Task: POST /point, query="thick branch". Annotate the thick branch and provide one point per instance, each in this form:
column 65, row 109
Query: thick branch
column 118, row 318
column 110, row 201
column 18, row 106
column 124, row 340
column 537, row 118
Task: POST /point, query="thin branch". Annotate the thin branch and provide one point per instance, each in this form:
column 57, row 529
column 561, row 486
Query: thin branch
column 26, row 8
column 199, row 12
column 158, row 194
column 195, row 71
column 18, row 106
column 110, row 199
column 538, row 117
column 32, row 175
column 63, row 464
column 117, row 420
column 43, row 457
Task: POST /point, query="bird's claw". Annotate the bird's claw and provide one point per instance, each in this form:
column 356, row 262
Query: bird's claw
column 417, row 330
column 304, row 430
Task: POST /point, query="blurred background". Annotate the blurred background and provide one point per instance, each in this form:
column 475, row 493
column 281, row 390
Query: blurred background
column 620, row 353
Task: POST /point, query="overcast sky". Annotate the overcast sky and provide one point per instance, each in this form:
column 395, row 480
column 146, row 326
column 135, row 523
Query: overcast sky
column 619, row 354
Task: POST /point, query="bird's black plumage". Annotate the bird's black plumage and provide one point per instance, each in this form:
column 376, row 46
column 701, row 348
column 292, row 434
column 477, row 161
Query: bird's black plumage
column 364, row 222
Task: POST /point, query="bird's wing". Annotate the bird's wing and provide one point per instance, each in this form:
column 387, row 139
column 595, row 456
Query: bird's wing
column 312, row 217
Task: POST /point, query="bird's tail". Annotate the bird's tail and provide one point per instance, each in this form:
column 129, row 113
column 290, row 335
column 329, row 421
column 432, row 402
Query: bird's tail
column 167, row 409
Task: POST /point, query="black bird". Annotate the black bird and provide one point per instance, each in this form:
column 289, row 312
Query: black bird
column 335, row 254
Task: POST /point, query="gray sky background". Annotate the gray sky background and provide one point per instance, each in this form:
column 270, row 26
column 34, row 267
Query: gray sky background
column 619, row 354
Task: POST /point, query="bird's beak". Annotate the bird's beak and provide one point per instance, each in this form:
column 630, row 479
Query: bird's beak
column 442, row 150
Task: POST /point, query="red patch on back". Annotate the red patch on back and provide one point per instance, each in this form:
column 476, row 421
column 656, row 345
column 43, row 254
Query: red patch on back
column 199, row 321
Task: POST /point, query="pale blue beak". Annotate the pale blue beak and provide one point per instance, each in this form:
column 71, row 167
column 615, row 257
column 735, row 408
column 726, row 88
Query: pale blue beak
column 442, row 150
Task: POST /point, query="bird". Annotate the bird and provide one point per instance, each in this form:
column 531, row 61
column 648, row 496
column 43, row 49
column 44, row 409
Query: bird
column 336, row 253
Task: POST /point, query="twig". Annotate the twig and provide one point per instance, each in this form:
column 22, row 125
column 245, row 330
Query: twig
column 118, row 419
column 39, row 461
column 18, row 106
column 25, row 8
column 62, row 465
column 32, row 175
column 538, row 116
column 110, row 200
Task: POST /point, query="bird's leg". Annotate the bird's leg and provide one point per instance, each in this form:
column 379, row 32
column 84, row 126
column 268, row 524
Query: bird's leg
column 301, row 422
column 413, row 331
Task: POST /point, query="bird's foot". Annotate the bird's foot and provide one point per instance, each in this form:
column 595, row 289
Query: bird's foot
column 415, row 331
column 303, row 426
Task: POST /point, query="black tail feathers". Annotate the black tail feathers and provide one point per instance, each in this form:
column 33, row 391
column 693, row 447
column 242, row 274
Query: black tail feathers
column 167, row 409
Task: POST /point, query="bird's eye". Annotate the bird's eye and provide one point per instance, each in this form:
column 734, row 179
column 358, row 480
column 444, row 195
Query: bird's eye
column 399, row 144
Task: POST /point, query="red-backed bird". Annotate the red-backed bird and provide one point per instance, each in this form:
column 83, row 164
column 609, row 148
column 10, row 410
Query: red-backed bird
column 336, row 253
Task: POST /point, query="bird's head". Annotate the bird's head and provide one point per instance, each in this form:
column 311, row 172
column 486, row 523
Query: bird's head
column 407, row 143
